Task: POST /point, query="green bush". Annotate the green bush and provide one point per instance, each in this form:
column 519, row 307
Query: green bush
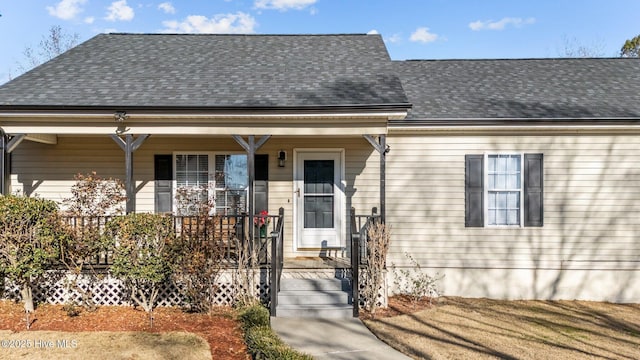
column 29, row 241
column 141, row 257
column 254, row 316
column 261, row 341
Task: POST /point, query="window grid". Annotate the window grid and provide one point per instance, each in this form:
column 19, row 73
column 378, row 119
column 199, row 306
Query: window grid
column 231, row 184
column 192, row 174
column 504, row 189
column 221, row 179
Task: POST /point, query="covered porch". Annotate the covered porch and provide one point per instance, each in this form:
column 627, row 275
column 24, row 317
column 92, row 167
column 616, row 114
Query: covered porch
column 283, row 179
column 315, row 170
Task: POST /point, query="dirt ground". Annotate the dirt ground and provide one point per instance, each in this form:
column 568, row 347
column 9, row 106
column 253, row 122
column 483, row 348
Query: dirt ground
column 51, row 323
column 460, row 328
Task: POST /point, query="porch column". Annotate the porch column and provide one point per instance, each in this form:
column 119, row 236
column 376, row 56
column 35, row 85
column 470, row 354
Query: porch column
column 4, row 163
column 7, row 145
column 382, row 148
column 251, row 146
column 129, row 145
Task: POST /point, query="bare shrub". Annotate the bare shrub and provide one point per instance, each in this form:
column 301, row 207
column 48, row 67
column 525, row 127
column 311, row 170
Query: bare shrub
column 198, row 251
column 92, row 197
column 247, row 271
column 378, row 235
column 416, row 283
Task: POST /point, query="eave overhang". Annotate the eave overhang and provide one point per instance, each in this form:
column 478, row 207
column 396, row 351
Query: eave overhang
column 502, row 126
column 311, row 120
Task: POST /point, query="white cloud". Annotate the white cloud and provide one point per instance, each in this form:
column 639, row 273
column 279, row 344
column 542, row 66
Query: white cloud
column 89, row 20
column 120, row 11
column 393, row 39
column 423, row 35
column 66, row 9
column 500, row 24
column 373, row 32
column 167, row 8
column 238, row 23
column 283, row 5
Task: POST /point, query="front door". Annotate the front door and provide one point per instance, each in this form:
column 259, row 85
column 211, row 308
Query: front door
column 319, row 199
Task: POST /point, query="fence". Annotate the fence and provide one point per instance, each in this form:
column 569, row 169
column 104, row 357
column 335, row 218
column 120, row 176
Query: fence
column 230, row 233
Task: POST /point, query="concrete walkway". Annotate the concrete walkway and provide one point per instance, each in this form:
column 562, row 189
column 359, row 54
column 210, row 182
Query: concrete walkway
column 333, row 339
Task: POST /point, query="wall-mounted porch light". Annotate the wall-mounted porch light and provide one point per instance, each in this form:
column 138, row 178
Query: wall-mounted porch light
column 282, row 157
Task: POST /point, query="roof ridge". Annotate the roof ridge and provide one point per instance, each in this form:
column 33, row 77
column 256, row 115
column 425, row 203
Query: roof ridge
column 229, row 34
column 518, row 59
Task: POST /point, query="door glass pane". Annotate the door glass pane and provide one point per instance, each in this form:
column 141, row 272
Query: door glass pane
column 318, row 193
column 318, row 176
column 318, row 212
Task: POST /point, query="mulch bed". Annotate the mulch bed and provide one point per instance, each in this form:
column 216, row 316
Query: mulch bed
column 220, row 329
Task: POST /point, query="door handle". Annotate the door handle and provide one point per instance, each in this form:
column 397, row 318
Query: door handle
column 298, row 192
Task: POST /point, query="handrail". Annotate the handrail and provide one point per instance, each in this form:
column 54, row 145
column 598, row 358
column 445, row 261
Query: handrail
column 228, row 231
column 277, row 254
column 355, row 264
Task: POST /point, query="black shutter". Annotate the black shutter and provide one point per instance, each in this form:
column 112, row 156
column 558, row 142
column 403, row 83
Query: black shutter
column 533, row 186
column 474, row 191
column 261, row 183
column 163, row 179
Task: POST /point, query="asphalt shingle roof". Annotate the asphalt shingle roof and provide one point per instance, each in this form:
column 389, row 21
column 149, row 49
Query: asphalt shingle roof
column 171, row 70
column 522, row 88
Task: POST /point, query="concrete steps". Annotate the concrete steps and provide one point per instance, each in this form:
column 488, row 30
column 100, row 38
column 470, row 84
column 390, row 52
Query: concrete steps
column 317, row 298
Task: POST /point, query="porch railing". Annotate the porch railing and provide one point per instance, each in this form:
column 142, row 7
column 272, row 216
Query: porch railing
column 228, row 232
column 359, row 247
column 277, row 255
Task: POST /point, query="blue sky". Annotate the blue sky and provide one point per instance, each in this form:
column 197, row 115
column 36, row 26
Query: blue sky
column 412, row 29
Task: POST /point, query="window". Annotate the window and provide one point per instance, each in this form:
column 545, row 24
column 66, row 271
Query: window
column 218, row 181
column 192, row 183
column 231, row 184
column 504, row 190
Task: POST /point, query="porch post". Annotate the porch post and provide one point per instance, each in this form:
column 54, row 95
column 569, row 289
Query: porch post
column 4, row 163
column 6, row 147
column 129, row 145
column 251, row 147
column 382, row 148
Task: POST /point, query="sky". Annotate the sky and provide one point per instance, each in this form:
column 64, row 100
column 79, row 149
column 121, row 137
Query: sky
column 411, row 29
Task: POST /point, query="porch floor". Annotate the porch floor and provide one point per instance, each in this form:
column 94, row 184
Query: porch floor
column 317, row 263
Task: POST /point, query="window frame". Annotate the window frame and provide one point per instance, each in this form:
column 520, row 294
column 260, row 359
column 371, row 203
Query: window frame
column 487, row 190
column 211, row 180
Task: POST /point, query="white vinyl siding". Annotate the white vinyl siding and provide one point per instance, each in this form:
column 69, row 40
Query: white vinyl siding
column 591, row 217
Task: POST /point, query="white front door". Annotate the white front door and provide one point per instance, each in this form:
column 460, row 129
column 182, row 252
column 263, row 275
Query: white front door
column 319, row 199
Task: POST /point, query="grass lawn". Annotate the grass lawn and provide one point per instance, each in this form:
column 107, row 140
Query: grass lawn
column 57, row 345
column 461, row 328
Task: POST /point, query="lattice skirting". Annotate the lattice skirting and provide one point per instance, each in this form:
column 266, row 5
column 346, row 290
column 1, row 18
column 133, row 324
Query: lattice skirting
column 382, row 291
column 107, row 290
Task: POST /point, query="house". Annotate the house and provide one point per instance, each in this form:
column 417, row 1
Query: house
column 512, row 178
